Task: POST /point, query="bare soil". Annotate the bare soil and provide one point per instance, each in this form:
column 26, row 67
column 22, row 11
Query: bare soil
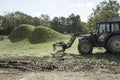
column 13, row 74
column 69, row 67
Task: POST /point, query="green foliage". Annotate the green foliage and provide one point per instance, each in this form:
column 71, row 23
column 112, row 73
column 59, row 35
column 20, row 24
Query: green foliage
column 70, row 24
column 59, row 24
column 11, row 20
column 36, row 21
column 45, row 20
column 44, row 34
column 74, row 23
column 105, row 11
column 21, row 32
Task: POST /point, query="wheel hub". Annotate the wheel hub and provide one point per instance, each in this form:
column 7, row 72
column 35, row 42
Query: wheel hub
column 85, row 47
column 115, row 45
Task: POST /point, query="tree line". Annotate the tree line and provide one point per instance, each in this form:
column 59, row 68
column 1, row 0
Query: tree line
column 70, row 24
column 104, row 11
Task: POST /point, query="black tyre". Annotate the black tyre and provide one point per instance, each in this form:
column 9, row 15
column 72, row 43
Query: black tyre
column 85, row 47
column 113, row 44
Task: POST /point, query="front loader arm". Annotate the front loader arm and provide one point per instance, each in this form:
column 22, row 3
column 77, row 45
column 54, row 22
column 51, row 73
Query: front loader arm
column 66, row 45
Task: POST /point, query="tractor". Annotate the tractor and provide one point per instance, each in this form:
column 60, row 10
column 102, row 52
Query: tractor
column 107, row 35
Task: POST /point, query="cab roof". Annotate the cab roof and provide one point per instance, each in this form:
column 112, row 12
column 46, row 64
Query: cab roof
column 117, row 21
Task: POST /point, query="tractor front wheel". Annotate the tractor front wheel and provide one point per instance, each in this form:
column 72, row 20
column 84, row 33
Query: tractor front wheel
column 85, row 47
column 113, row 44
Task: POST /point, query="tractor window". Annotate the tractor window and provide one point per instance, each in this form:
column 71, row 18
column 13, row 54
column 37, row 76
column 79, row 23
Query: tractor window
column 103, row 28
column 115, row 27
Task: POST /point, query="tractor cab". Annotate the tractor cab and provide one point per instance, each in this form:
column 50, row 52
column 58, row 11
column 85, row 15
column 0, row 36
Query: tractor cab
column 105, row 29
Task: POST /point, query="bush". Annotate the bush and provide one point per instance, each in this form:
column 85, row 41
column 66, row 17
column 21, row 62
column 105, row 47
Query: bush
column 21, row 32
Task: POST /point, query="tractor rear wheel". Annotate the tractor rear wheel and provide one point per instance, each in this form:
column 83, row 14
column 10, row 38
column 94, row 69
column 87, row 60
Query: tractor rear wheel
column 113, row 44
column 85, row 47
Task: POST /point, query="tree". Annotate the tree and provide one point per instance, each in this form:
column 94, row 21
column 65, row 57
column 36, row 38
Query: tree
column 58, row 24
column 70, row 24
column 1, row 19
column 74, row 23
column 36, row 21
column 45, row 20
column 105, row 11
column 12, row 20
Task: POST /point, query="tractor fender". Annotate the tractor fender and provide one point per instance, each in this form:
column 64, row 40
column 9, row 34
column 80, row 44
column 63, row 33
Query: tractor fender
column 110, row 35
column 85, row 39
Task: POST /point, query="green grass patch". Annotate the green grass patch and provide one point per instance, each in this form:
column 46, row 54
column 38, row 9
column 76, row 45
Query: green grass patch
column 24, row 48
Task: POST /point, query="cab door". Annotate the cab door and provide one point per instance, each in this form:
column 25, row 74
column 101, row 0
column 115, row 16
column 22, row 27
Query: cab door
column 103, row 30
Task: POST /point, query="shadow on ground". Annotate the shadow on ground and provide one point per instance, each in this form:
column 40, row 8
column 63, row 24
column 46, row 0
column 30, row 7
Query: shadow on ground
column 105, row 56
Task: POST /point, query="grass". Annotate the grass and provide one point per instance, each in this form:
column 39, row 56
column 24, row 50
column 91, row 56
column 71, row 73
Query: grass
column 21, row 32
column 34, row 34
column 22, row 37
column 24, row 48
column 44, row 34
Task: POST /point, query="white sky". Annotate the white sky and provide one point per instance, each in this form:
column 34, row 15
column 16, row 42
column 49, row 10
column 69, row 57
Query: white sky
column 51, row 7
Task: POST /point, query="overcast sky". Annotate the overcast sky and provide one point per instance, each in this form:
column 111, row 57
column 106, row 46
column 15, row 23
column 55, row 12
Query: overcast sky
column 51, row 7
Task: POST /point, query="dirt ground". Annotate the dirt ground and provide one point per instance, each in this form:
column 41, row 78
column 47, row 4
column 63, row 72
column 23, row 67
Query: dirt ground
column 13, row 74
column 69, row 67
